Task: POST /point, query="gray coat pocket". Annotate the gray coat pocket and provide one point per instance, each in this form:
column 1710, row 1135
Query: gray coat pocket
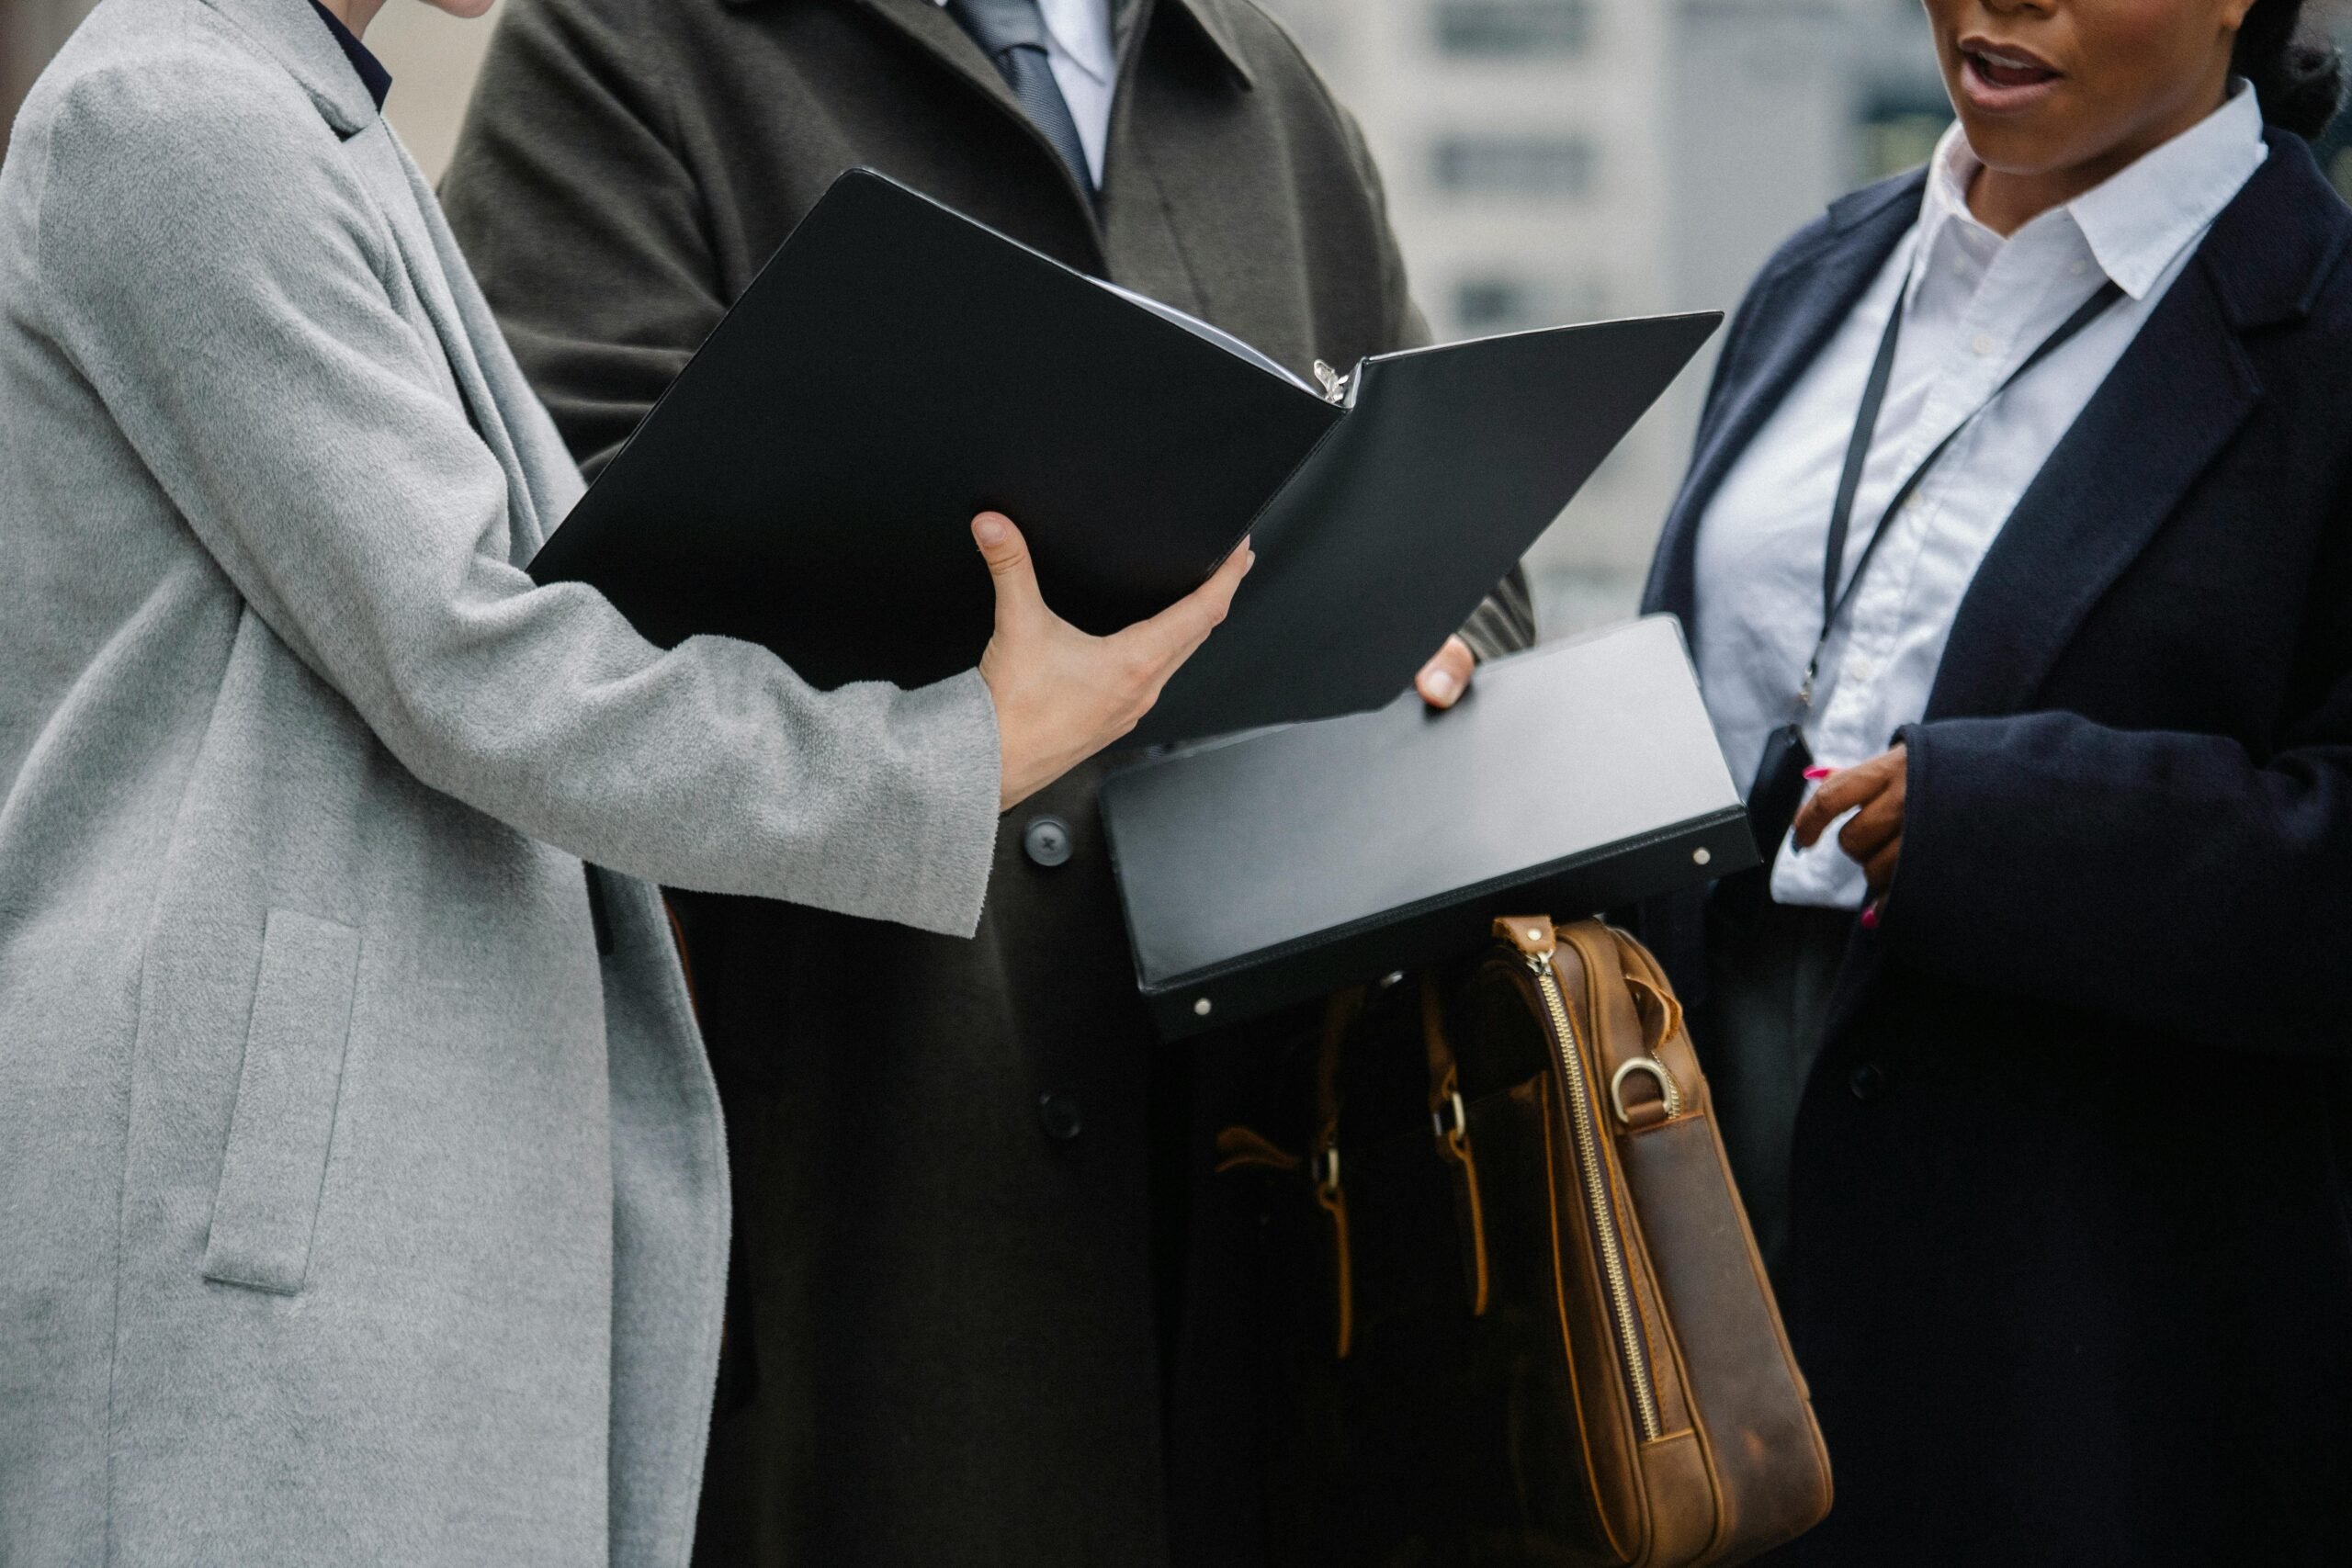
column 284, row 1121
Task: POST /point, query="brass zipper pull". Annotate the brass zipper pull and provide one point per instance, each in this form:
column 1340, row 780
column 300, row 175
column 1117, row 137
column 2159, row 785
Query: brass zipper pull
column 1535, row 938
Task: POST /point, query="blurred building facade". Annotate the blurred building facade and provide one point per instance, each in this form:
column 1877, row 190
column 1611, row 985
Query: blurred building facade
column 1547, row 161
column 1551, row 161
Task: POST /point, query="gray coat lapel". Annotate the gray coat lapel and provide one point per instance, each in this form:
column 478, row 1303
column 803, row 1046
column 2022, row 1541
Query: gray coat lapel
column 289, row 32
column 536, row 461
column 400, row 192
column 509, row 418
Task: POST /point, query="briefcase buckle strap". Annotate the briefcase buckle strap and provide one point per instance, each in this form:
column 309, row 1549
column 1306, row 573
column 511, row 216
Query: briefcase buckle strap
column 1649, row 1112
column 1450, row 1118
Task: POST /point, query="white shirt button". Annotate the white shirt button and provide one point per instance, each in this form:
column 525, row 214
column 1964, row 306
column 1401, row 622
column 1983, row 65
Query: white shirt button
column 1982, row 342
column 2079, row 268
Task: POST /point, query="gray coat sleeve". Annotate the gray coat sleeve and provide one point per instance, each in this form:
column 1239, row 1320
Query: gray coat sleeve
column 218, row 274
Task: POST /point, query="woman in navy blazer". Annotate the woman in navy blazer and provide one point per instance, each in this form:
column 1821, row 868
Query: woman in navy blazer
column 2060, row 1199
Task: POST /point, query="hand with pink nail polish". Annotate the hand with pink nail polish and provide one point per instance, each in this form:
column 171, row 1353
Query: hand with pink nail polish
column 1874, row 790
column 1817, row 774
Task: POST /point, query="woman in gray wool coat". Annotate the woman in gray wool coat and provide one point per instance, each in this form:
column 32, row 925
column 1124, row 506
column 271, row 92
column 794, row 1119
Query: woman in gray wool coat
column 353, row 1207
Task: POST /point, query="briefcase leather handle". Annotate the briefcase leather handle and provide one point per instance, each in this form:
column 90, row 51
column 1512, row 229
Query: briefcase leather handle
column 1450, row 1119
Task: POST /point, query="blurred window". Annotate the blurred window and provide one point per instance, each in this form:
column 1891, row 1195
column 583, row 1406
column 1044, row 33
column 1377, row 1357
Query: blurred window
column 1898, row 131
column 1493, row 304
column 1513, row 165
column 1504, row 302
column 1513, row 27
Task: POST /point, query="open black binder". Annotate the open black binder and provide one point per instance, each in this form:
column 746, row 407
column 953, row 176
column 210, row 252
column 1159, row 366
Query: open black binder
column 807, row 482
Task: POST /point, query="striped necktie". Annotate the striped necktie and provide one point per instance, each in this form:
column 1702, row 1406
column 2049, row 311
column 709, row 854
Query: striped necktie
column 1011, row 33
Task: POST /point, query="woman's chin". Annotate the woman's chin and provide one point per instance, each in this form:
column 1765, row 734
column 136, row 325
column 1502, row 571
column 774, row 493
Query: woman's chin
column 2019, row 150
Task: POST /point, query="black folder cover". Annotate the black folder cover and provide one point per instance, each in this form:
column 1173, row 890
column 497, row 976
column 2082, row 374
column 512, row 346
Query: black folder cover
column 807, row 482
column 1265, row 869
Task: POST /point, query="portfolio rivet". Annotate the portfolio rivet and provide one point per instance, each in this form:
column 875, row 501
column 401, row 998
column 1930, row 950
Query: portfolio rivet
column 1702, row 855
column 1200, row 1008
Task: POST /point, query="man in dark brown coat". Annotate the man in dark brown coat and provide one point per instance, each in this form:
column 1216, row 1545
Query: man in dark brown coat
column 961, row 1167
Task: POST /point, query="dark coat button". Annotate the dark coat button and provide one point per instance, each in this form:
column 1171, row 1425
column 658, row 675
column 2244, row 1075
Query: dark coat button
column 1059, row 1114
column 1048, row 841
column 1868, row 1081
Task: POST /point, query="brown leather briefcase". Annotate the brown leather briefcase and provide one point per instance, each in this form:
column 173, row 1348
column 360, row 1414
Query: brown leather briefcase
column 1518, row 1313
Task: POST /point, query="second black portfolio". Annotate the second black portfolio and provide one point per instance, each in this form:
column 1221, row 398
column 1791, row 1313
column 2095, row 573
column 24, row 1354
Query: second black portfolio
column 1265, row 869
column 808, row 481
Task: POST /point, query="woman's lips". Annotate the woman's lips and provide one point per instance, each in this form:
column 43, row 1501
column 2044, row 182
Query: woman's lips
column 2001, row 78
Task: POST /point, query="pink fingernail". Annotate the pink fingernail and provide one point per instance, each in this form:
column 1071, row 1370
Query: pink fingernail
column 1817, row 774
column 1869, row 919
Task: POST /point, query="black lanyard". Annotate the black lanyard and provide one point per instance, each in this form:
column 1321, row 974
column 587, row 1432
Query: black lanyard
column 1773, row 798
column 1858, row 451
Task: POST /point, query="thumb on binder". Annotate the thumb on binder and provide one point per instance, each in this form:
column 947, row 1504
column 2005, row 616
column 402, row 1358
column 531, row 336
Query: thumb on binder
column 1062, row 695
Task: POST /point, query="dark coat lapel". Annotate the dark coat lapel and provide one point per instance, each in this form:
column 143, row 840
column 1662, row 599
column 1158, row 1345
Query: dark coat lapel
column 1214, row 23
column 1795, row 309
column 2178, row 396
column 927, row 24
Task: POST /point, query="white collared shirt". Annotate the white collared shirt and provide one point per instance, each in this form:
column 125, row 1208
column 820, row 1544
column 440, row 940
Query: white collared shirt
column 1086, row 68
column 1978, row 306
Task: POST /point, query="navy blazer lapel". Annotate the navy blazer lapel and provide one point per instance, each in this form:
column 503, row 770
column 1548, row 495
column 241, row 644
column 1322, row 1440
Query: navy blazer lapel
column 1796, row 308
column 2176, row 398
column 2174, row 401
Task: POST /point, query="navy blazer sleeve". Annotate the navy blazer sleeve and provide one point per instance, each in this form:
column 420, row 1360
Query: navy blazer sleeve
column 2169, row 879
column 2175, row 880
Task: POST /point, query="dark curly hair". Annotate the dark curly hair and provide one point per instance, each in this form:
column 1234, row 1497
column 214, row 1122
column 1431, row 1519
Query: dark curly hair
column 2298, row 83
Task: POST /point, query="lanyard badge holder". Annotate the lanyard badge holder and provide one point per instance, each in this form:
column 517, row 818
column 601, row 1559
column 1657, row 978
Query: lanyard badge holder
column 1779, row 787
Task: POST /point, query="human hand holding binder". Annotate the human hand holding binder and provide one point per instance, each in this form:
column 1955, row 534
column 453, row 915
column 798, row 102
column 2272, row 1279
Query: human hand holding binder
column 1061, row 694
column 898, row 368
column 1446, row 676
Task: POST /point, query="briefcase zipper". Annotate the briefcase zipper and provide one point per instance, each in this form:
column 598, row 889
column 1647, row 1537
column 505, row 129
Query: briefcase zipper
column 1585, row 1125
